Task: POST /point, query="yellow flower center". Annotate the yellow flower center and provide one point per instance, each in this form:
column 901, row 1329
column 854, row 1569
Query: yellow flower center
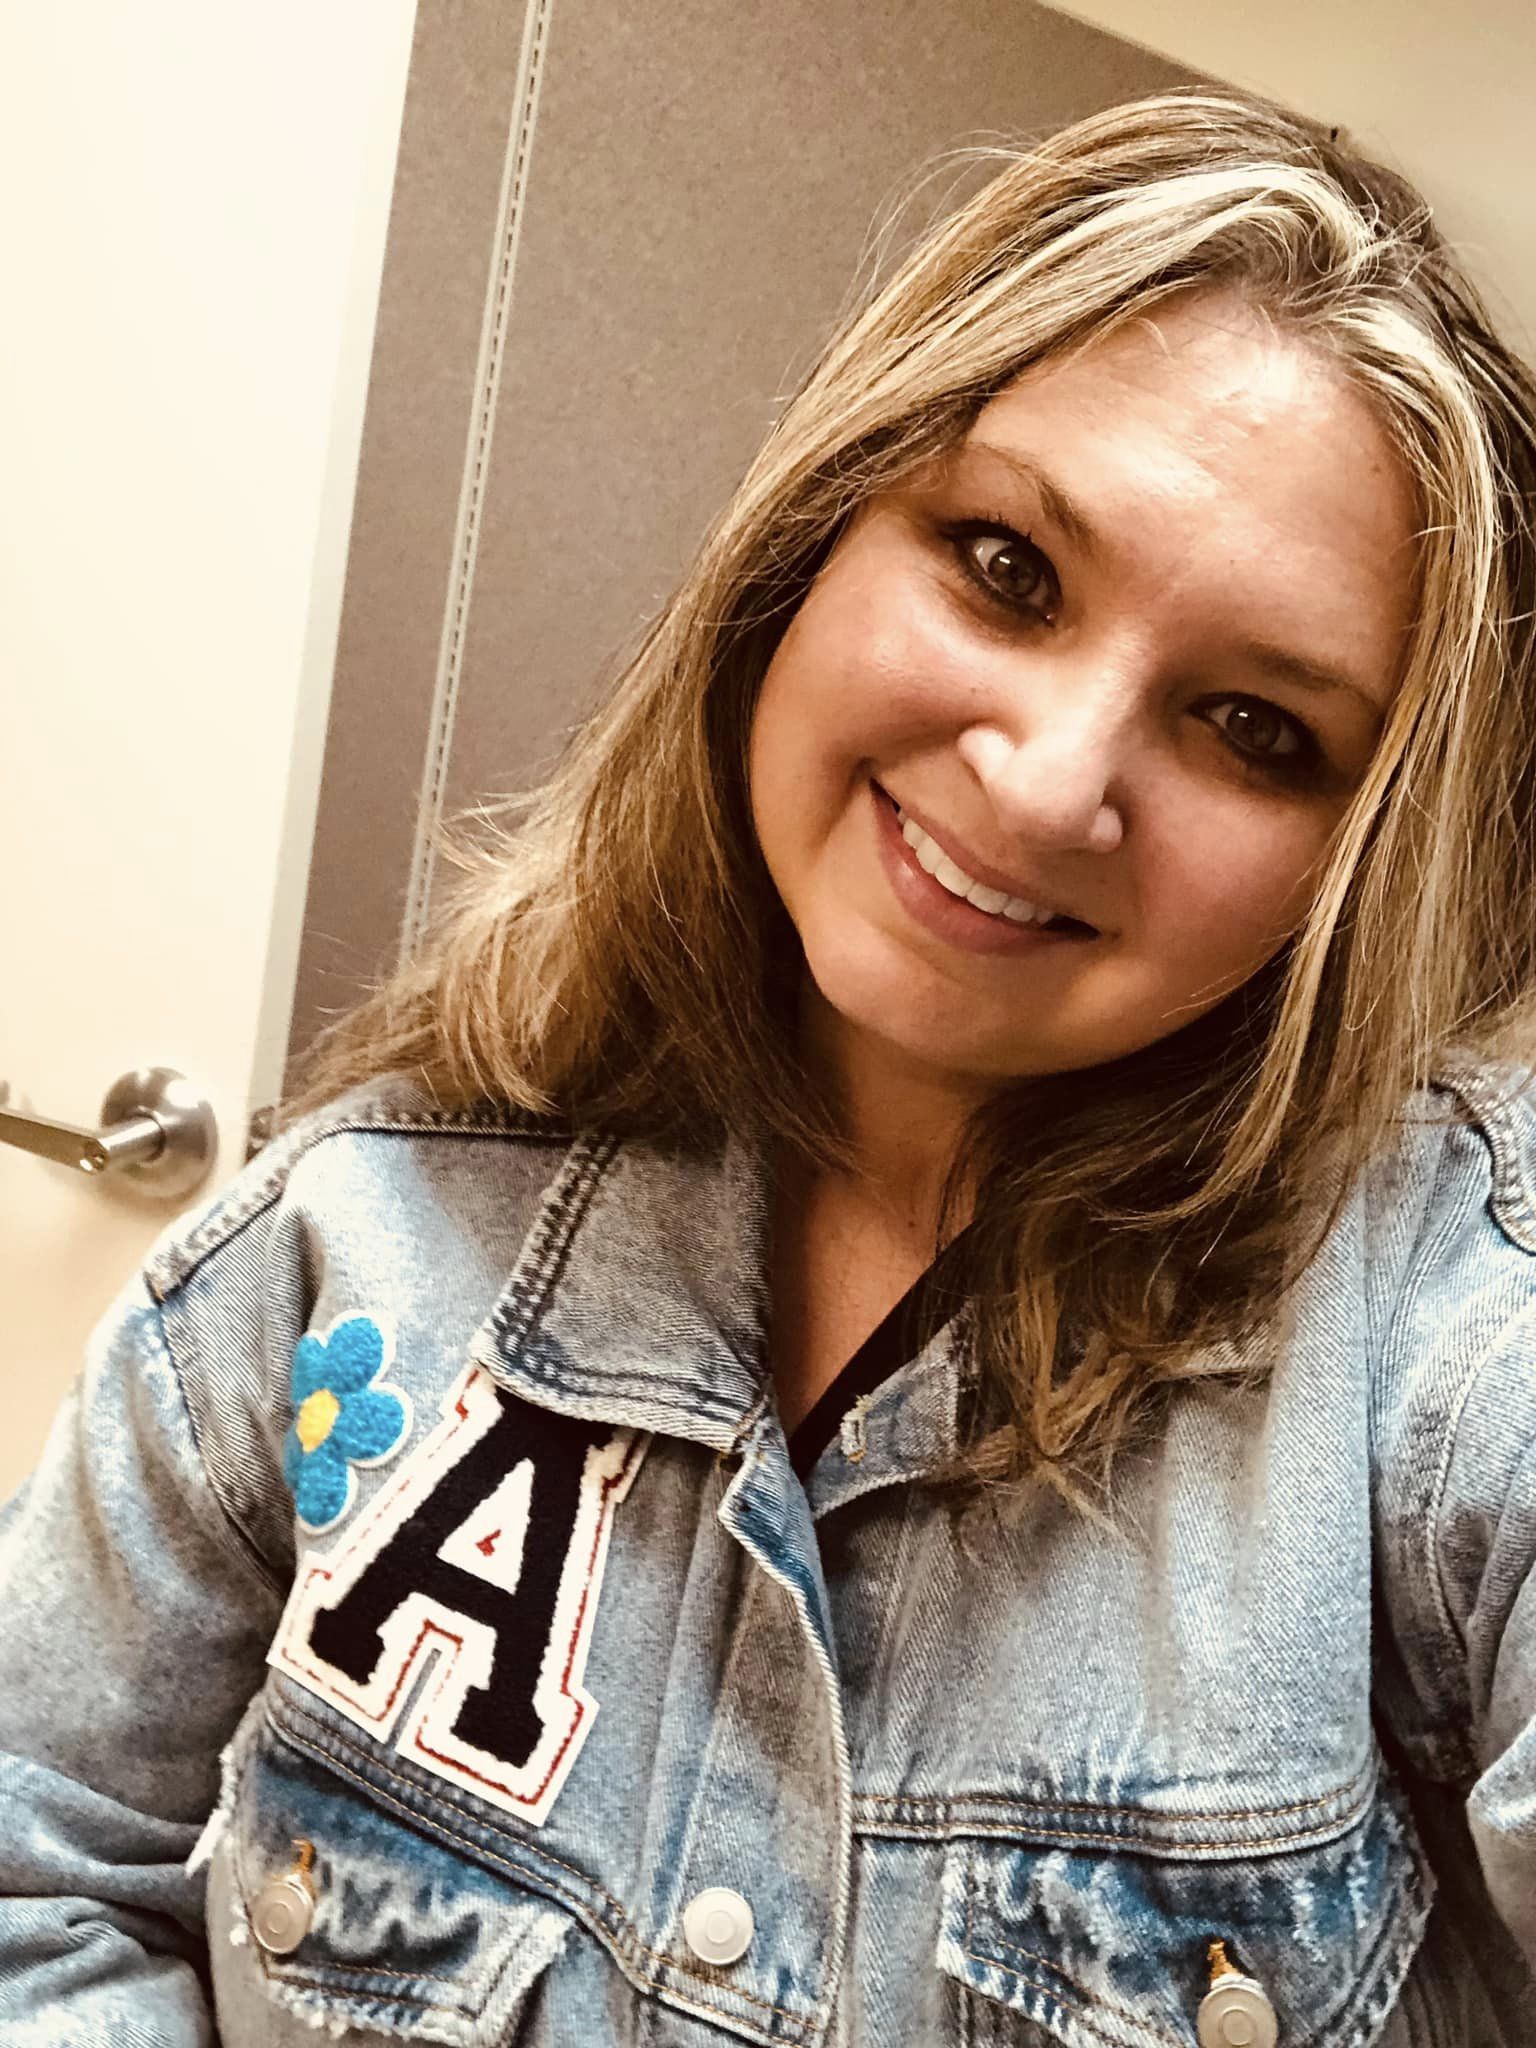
column 317, row 1417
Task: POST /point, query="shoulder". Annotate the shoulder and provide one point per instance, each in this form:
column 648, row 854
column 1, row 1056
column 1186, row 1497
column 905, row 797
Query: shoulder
column 380, row 1201
column 1445, row 1239
column 1495, row 1103
column 388, row 1136
column 1450, row 1249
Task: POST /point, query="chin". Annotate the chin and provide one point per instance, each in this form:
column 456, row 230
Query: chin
column 888, row 1011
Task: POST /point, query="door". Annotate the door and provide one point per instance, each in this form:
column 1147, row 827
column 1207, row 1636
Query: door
column 194, row 210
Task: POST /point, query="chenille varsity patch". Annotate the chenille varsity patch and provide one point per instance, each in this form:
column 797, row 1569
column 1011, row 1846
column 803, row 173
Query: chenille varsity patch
column 485, row 1551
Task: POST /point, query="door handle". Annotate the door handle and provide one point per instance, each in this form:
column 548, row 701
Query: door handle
column 156, row 1130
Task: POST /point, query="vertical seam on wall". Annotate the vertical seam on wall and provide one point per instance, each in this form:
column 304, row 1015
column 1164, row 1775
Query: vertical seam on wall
column 477, row 456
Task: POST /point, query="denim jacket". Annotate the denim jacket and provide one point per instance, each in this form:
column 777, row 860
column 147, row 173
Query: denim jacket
column 415, row 1631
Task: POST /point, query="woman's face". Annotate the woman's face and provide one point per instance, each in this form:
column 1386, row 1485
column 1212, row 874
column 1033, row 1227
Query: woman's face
column 1123, row 655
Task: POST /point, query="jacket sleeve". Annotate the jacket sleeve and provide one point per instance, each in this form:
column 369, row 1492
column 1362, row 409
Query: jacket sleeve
column 136, row 1620
column 1485, row 1528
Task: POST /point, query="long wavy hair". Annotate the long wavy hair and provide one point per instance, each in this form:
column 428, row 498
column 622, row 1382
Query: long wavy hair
column 612, row 952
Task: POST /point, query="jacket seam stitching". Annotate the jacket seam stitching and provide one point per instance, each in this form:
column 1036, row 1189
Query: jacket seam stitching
column 576, row 1182
column 1490, row 1119
column 279, row 1713
column 1080, row 1997
column 1085, row 2001
column 1455, row 1415
column 238, row 1224
column 1455, row 1418
column 625, row 1939
column 234, row 1536
column 224, row 1225
column 1227, row 1846
column 290, row 1975
column 1510, row 1197
column 1356, row 1789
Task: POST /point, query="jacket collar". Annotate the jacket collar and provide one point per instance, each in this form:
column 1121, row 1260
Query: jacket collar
column 640, row 1295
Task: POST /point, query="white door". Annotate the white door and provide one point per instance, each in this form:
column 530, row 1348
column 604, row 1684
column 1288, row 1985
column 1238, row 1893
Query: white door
column 193, row 209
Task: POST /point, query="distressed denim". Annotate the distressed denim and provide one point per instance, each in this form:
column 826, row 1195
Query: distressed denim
column 421, row 1541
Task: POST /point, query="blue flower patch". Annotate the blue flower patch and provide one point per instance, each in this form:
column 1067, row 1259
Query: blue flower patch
column 341, row 1417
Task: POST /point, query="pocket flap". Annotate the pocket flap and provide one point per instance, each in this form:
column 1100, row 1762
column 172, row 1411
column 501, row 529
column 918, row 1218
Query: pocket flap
column 1098, row 1945
column 402, row 1934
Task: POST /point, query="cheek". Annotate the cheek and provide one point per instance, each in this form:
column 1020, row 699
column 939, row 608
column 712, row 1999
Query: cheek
column 787, row 787
column 874, row 664
column 1232, row 893
column 851, row 686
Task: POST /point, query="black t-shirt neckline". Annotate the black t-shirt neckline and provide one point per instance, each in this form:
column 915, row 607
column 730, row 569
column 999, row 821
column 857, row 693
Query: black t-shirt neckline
column 897, row 1338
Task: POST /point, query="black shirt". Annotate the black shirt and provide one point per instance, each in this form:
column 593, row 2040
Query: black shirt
column 925, row 1307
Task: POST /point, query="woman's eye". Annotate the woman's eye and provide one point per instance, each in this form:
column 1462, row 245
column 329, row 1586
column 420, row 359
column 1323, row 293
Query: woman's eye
column 1012, row 569
column 1013, row 572
column 1265, row 734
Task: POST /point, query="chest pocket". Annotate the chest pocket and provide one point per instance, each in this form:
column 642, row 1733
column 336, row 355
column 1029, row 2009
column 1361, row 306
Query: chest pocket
column 332, row 1912
column 1088, row 1947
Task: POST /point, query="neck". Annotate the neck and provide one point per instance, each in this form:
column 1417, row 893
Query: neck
column 902, row 1117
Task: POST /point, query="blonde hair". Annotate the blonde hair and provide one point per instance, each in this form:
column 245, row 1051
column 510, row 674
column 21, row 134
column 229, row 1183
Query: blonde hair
column 618, row 957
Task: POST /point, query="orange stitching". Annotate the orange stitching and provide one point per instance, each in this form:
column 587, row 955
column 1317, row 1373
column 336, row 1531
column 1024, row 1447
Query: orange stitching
column 1088, row 1806
column 1121, row 2011
column 986, row 1962
column 1002, row 1830
column 631, row 1939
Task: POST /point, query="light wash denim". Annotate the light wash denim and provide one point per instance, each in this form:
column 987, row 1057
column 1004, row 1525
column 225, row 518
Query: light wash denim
column 561, row 1643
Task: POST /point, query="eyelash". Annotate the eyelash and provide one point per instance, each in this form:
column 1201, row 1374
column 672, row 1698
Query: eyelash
column 1302, row 766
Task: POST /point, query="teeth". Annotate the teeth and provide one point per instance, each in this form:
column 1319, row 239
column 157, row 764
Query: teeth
column 933, row 860
column 929, row 854
column 987, row 899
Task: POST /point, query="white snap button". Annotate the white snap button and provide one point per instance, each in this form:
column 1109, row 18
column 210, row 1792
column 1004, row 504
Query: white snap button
column 1235, row 2013
column 717, row 1925
column 281, row 1915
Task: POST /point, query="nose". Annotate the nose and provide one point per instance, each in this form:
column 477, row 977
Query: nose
column 1049, row 767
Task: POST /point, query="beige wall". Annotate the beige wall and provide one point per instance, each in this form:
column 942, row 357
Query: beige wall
column 1442, row 93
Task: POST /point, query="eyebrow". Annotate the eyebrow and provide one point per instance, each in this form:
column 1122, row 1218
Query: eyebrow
column 1063, row 511
column 1306, row 675
column 1059, row 506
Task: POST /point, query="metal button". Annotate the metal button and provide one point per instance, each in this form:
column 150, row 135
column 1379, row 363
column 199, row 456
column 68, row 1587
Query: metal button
column 718, row 1925
column 285, row 1905
column 1235, row 2012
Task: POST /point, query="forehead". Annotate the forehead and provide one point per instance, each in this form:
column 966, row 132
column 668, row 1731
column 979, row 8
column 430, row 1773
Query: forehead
column 1205, row 394
column 1206, row 441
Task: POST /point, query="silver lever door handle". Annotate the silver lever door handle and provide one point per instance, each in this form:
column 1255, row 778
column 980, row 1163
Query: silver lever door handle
column 156, row 1130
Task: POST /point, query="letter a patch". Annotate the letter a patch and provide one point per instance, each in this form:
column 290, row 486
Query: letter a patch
column 485, row 1551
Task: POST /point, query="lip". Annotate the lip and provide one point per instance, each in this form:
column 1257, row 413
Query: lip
column 948, row 917
column 991, row 878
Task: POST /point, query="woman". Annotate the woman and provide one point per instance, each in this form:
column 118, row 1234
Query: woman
column 889, row 1397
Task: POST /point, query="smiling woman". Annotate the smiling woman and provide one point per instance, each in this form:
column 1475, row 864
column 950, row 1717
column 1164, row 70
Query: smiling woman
column 1158, row 540
column 1062, row 715
column 890, row 1397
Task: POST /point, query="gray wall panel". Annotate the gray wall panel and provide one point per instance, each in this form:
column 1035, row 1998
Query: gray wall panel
column 442, row 238
column 705, row 181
